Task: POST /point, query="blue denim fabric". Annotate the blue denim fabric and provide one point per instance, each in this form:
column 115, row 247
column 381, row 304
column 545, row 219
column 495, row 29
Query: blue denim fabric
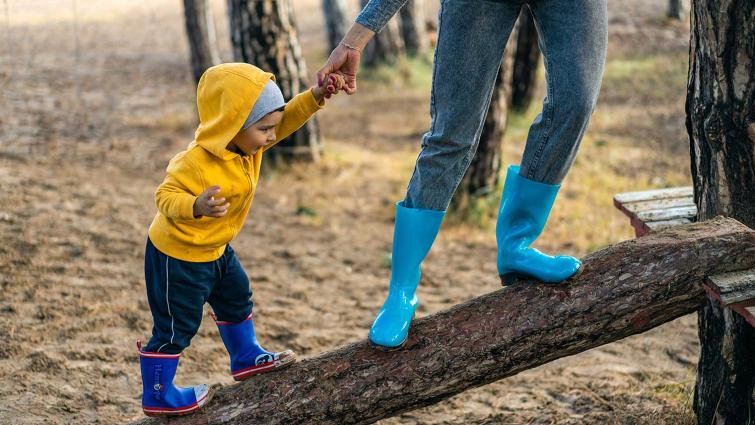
column 378, row 12
column 472, row 35
column 177, row 291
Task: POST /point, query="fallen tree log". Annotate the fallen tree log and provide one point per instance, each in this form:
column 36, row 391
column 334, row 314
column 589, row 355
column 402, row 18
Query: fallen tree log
column 624, row 289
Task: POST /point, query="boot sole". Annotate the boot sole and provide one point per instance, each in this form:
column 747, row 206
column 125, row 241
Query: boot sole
column 191, row 410
column 266, row 370
column 396, row 348
column 388, row 349
column 509, row 279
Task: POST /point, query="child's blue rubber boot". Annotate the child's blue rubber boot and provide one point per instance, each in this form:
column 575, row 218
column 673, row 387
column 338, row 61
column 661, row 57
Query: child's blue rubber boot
column 413, row 235
column 160, row 397
column 247, row 357
column 525, row 206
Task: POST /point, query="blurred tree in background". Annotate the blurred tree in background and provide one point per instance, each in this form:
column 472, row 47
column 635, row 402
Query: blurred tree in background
column 336, row 21
column 526, row 60
column 674, row 10
column 414, row 27
column 263, row 33
column 200, row 29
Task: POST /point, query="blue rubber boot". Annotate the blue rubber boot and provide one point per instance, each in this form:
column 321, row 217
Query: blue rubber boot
column 247, row 357
column 525, row 205
column 413, row 235
column 160, row 397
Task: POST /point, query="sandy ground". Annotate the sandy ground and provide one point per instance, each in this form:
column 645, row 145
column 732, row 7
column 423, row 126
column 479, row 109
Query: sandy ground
column 96, row 97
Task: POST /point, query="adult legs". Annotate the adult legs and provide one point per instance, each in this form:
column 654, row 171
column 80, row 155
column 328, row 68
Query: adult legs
column 572, row 38
column 471, row 39
column 472, row 35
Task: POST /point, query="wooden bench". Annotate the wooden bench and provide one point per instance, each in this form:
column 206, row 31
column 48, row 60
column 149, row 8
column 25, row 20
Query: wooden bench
column 735, row 290
column 653, row 210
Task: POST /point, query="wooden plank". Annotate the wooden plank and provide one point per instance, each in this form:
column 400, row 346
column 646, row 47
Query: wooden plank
column 667, row 214
column 649, row 195
column 655, row 226
column 733, row 287
column 749, row 314
column 659, row 204
column 734, row 290
column 640, row 229
column 743, row 309
column 654, row 210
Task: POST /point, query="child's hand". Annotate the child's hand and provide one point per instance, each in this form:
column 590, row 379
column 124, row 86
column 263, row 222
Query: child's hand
column 207, row 205
column 332, row 85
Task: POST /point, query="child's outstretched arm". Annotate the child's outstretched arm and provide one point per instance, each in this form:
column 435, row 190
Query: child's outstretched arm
column 304, row 105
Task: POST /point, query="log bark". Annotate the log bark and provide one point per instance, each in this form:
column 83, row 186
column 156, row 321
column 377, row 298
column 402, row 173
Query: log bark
column 526, row 60
column 336, row 21
column 263, row 33
column 625, row 289
column 414, row 27
column 386, row 46
column 200, row 29
column 721, row 128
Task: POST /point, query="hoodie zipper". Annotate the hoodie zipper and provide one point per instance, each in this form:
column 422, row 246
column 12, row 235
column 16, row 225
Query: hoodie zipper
column 245, row 167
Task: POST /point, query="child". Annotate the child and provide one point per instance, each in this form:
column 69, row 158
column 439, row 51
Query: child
column 202, row 204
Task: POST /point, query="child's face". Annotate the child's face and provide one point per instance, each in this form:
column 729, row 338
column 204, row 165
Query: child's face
column 259, row 134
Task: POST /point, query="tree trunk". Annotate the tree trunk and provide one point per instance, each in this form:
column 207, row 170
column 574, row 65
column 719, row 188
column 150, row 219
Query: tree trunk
column 263, row 33
column 385, row 46
column 200, row 28
column 721, row 127
column 414, row 27
column 674, row 9
column 526, row 60
column 481, row 178
column 335, row 21
column 624, row 289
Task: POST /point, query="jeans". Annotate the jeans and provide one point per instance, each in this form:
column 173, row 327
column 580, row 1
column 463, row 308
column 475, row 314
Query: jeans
column 177, row 291
column 472, row 35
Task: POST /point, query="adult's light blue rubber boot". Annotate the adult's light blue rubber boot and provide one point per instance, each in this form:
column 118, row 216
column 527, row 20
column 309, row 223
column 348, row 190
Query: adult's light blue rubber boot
column 160, row 397
column 524, row 210
column 413, row 235
column 247, row 357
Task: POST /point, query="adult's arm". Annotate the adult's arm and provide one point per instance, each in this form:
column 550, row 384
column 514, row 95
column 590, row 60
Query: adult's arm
column 344, row 59
column 378, row 12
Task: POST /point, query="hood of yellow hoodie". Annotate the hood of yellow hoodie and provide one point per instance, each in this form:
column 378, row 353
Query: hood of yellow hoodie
column 225, row 96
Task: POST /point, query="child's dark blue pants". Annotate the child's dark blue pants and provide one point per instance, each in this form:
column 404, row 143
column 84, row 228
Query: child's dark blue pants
column 177, row 291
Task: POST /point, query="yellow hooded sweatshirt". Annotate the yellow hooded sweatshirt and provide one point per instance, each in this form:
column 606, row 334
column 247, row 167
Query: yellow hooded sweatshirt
column 225, row 97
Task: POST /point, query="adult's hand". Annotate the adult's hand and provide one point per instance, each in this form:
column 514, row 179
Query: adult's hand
column 344, row 59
